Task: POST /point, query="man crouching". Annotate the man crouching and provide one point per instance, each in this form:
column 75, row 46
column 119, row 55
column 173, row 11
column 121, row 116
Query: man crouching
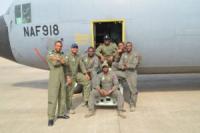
column 107, row 85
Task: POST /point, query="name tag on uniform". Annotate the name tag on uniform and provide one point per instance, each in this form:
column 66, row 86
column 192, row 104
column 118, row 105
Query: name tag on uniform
column 86, row 60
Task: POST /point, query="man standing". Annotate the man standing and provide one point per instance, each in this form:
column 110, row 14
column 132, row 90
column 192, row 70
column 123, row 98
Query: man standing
column 107, row 50
column 76, row 74
column 120, row 50
column 92, row 65
column 128, row 64
column 107, row 85
column 56, row 84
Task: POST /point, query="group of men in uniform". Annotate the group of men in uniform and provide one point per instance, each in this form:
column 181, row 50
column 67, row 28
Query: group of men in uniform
column 99, row 73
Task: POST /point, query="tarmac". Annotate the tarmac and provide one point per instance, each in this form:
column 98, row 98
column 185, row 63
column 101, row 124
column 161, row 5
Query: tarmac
column 166, row 104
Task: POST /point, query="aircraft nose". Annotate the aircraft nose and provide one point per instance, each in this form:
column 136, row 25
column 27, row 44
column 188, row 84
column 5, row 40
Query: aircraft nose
column 5, row 49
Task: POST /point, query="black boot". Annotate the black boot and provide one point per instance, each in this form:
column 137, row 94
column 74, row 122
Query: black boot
column 63, row 117
column 50, row 123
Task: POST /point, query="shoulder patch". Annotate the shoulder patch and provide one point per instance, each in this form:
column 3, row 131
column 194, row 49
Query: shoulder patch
column 50, row 53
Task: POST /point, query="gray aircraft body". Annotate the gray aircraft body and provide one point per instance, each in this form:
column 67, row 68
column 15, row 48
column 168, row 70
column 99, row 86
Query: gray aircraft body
column 165, row 32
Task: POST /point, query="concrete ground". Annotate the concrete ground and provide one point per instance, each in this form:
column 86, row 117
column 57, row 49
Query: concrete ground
column 166, row 104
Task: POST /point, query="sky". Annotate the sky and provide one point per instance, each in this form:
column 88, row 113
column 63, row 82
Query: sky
column 4, row 4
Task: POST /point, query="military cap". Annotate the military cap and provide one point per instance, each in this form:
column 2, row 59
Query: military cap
column 74, row 45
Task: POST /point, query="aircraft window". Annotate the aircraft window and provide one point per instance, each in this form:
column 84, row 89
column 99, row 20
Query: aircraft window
column 23, row 13
column 18, row 14
column 26, row 13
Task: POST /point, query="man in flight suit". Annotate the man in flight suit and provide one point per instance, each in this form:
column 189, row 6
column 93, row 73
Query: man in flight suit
column 128, row 65
column 56, row 84
column 107, row 85
column 107, row 50
column 92, row 65
column 76, row 74
column 120, row 50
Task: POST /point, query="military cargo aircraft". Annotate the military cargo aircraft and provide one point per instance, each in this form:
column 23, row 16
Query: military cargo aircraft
column 165, row 32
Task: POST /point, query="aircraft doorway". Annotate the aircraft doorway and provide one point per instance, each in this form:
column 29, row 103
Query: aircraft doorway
column 114, row 28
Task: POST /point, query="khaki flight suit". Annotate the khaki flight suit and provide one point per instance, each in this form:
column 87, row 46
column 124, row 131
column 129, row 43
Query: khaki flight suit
column 76, row 70
column 92, row 66
column 107, row 82
column 115, row 63
column 107, row 51
column 56, row 86
column 132, row 61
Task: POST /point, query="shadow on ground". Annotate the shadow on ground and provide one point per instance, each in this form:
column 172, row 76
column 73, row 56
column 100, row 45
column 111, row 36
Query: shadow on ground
column 145, row 83
column 179, row 82
column 35, row 84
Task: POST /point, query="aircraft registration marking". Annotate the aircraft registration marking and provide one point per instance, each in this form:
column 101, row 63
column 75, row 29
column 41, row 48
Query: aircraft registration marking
column 45, row 30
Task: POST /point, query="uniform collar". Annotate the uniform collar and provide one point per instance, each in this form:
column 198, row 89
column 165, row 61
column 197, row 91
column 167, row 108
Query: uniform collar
column 57, row 52
column 74, row 55
column 107, row 45
column 130, row 52
column 106, row 74
column 90, row 57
